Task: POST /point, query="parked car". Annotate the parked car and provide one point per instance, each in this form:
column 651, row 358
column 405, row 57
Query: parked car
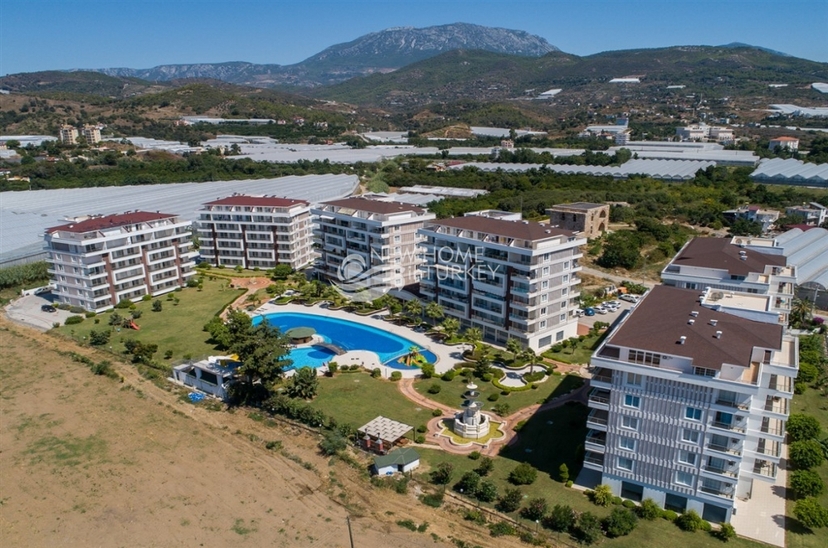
column 600, row 310
column 589, row 311
column 630, row 298
column 616, row 304
column 48, row 308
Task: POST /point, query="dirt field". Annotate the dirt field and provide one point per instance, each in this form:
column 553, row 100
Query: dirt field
column 90, row 461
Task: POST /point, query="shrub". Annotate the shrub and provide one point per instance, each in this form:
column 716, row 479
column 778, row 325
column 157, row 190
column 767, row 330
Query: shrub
column 502, row 528
column 510, row 501
column 436, row 412
column 493, row 397
column 706, row 527
column 332, row 443
column 147, row 298
column 534, row 377
column 422, row 428
column 99, row 338
column 376, row 373
column 485, row 467
column 157, row 306
column 588, row 528
column 811, row 513
column 535, row 510
column 563, row 473
column 725, row 532
column 449, row 375
column 805, row 454
column 689, row 521
column 806, row 483
column 602, row 496
column 487, row 492
column 502, row 409
column 802, row 427
column 395, row 376
column 617, row 500
column 419, row 439
column 519, row 426
column 408, row 524
column 649, row 510
column 90, row 313
column 523, row 474
column 333, row 367
column 135, row 314
column 124, row 303
column 669, row 515
column 476, row 516
column 442, row 474
column 434, row 388
column 561, row 518
column 72, row 320
column 468, row 484
column 629, row 504
column 435, row 500
column 474, row 455
column 620, row 522
column 168, row 354
column 427, row 370
column 569, row 483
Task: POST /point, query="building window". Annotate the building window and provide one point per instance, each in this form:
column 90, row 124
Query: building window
column 626, row 443
column 690, row 436
column 645, row 358
column 562, row 318
column 632, row 401
column 566, row 277
column 559, row 336
column 633, row 379
column 564, row 291
column 546, row 257
column 566, row 265
column 625, row 463
column 563, row 305
column 543, row 311
column 631, row 423
column 693, row 414
column 543, row 324
column 544, row 298
column 687, row 457
column 684, row 478
column 545, row 271
column 545, row 284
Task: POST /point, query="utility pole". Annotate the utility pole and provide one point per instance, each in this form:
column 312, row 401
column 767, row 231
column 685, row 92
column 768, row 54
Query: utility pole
column 350, row 533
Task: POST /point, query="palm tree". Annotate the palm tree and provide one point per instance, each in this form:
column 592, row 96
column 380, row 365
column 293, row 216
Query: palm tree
column 800, row 313
column 473, row 335
column 513, row 346
column 434, row 311
column 414, row 307
column 450, row 327
column 304, row 384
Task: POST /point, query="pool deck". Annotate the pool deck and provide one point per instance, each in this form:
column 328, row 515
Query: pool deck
column 447, row 355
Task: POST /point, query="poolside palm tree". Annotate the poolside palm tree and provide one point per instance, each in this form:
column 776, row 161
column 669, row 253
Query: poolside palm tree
column 434, row 311
column 414, row 308
column 473, row 335
column 513, row 346
column 450, row 327
column 304, row 384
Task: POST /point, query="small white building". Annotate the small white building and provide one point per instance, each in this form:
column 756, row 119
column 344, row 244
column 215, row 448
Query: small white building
column 401, row 460
column 212, row 376
column 791, row 143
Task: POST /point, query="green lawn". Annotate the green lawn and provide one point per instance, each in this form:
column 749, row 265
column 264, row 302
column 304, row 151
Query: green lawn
column 451, row 392
column 356, row 398
column 579, row 355
column 812, row 402
column 177, row 328
column 549, row 445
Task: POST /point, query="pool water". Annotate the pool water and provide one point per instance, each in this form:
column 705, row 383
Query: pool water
column 344, row 334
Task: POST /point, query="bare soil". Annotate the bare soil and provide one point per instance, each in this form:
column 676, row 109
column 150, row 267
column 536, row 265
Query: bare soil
column 91, row 461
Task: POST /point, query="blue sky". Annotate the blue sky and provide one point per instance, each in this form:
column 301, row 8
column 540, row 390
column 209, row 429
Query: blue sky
column 61, row 34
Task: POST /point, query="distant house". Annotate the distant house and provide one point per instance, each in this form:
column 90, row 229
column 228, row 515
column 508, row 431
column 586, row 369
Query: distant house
column 211, row 376
column 401, row 460
column 590, row 219
column 765, row 217
column 791, row 143
column 815, row 214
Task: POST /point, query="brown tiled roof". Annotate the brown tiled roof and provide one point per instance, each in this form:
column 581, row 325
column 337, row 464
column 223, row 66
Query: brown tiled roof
column 719, row 253
column 374, row 206
column 110, row 221
column 256, row 201
column 659, row 320
column 522, row 230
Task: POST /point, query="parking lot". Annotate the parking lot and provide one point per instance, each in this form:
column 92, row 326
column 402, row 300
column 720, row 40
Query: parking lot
column 28, row 310
column 609, row 317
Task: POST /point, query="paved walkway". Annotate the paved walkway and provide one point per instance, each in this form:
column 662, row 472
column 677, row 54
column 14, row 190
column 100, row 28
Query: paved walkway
column 492, row 447
column 762, row 516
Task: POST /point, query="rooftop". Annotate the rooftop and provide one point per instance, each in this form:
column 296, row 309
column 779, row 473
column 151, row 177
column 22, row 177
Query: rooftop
column 402, row 456
column 586, row 206
column 256, row 201
column 662, row 317
column 523, row 230
column 93, row 224
column 385, row 429
column 374, row 206
column 720, row 254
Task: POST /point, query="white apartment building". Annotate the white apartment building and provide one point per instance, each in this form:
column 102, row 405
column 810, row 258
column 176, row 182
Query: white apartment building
column 688, row 404
column 813, row 214
column 99, row 261
column 381, row 236
column 68, row 135
column 723, row 264
column 702, row 132
column 256, row 232
column 92, row 134
column 506, row 276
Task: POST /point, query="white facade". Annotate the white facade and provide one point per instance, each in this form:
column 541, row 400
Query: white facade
column 382, row 235
column 92, row 134
column 507, row 277
column 256, row 232
column 702, row 132
column 98, row 262
column 68, row 135
column 669, row 423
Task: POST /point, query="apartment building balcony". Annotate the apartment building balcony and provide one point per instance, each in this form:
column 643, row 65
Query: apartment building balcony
column 596, row 440
column 602, row 376
column 731, row 427
column 781, row 384
column 765, row 469
column 718, row 470
column 741, row 404
column 777, row 405
column 769, row 448
column 594, row 461
column 498, row 290
column 717, row 489
column 725, row 445
column 773, row 427
column 599, row 398
column 598, row 419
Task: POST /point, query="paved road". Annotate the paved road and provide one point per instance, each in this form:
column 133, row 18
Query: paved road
column 26, row 311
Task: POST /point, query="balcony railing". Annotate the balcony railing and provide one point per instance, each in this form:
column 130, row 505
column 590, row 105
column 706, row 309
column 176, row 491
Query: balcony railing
column 719, row 492
column 603, row 375
column 727, row 426
column 721, row 471
column 599, row 396
column 594, row 458
column 596, row 416
column 744, row 405
column 725, row 449
column 597, row 438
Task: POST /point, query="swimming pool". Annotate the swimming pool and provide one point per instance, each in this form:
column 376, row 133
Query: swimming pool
column 311, row 356
column 346, row 335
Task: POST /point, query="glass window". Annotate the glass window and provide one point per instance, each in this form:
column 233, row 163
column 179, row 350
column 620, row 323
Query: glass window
column 559, row 336
column 693, row 414
column 566, row 277
column 562, row 318
column 543, row 324
column 566, row 265
column 626, row 443
column 545, row 284
column 690, row 436
column 543, row 311
column 633, row 379
column 545, row 271
column 629, row 422
column 544, row 298
column 632, row 401
column 625, row 463
column 684, row 478
column 687, row 457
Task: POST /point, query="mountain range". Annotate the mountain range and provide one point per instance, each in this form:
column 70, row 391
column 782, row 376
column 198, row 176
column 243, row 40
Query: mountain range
column 377, row 52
